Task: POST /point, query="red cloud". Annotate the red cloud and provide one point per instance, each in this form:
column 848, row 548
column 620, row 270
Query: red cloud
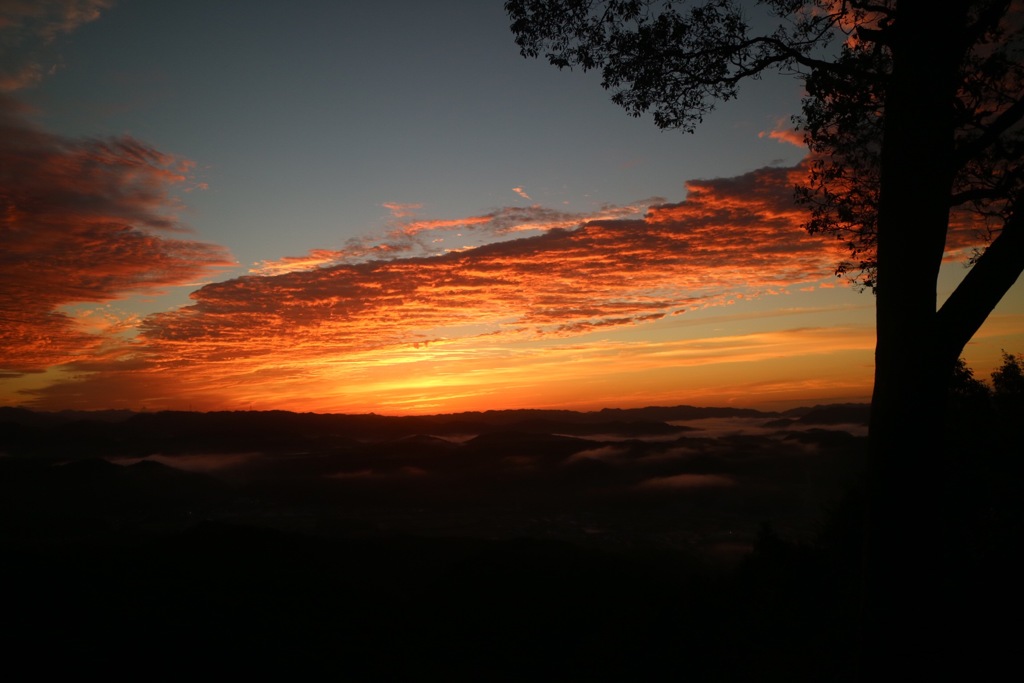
column 78, row 221
column 787, row 135
column 410, row 236
column 422, row 332
column 730, row 236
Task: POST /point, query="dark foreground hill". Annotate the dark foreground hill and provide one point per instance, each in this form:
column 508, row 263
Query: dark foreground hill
column 512, row 547
column 695, row 479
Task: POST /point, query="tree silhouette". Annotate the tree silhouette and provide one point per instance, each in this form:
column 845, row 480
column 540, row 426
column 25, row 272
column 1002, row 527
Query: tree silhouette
column 914, row 118
column 1008, row 384
column 964, row 386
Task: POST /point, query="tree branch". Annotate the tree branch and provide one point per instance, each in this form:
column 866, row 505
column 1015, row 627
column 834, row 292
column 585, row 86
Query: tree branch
column 871, row 7
column 979, row 194
column 985, row 284
column 987, row 21
column 785, row 52
column 1003, row 122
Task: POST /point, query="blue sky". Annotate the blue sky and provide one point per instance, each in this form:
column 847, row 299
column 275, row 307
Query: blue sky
column 305, row 119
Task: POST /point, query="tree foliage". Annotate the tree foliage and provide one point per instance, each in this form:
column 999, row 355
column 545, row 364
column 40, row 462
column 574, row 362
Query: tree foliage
column 844, row 111
column 1008, row 383
column 1006, row 391
column 965, row 386
column 676, row 60
column 1009, row 377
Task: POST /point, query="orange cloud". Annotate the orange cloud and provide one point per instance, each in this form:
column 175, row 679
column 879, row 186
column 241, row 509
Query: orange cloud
column 787, row 135
column 79, row 222
column 402, row 210
column 415, row 227
column 429, row 237
column 731, row 237
column 693, row 364
column 351, row 329
column 355, row 251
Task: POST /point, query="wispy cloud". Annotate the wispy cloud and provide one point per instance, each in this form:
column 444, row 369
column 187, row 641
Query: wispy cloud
column 521, row 192
column 80, row 223
column 411, row 235
column 27, row 31
column 784, row 134
column 399, row 210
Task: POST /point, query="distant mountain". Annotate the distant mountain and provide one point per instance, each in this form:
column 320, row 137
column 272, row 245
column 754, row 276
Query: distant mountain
column 616, row 427
column 125, row 434
column 833, row 414
column 680, row 413
column 89, row 496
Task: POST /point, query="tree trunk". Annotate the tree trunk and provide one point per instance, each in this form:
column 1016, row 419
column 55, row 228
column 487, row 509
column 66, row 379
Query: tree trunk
column 905, row 539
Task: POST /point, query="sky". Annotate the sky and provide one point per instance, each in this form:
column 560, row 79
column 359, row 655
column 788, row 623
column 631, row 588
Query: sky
column 383, row 207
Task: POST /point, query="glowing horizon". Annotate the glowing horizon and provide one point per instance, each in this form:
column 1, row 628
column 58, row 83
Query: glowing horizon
column 136, row 278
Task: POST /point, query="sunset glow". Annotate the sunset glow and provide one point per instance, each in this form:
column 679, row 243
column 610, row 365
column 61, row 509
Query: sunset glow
column 713, row 296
